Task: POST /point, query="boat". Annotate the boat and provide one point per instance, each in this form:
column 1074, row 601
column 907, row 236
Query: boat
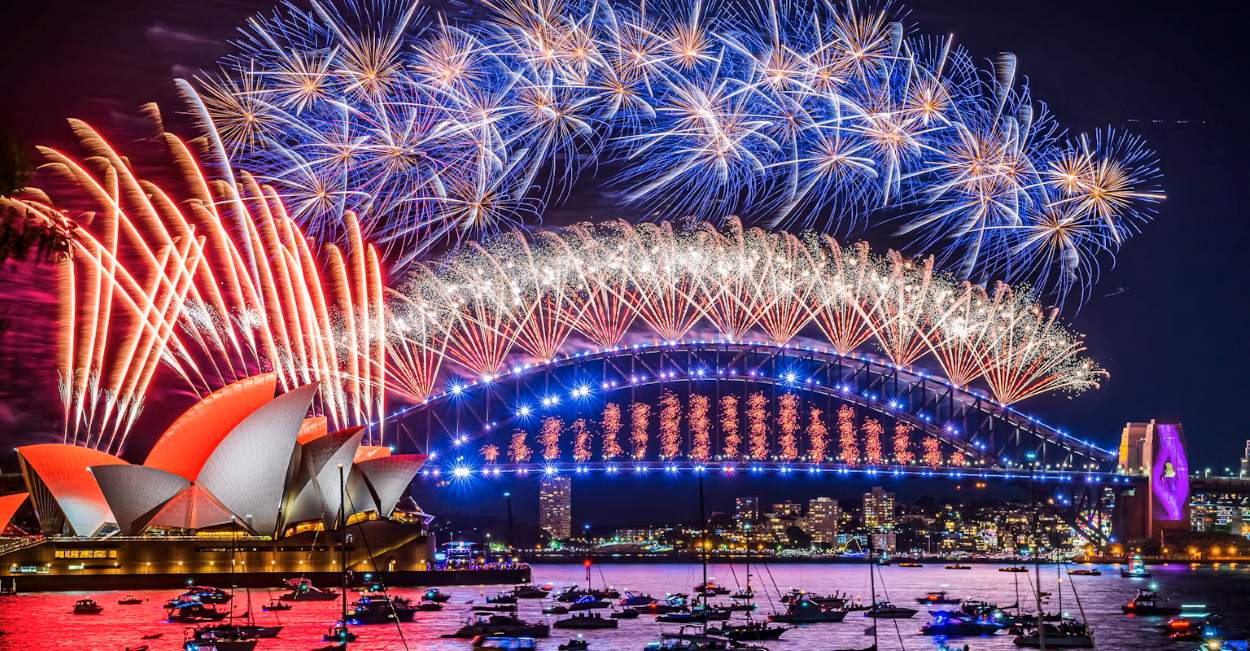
column 710, row 588
column 939, row 597
column 129, row 600
column 887, row 610
column 529, row 592
column 1068, row 634
column 1091, row 571
column 589, row 602
column 304, row 590
column 956, row 624
column 275, row 605
column 435, row 595
column 696, row 641
column 806, row 611
column 749, row 631
column 910, row 564
column 488, row 608
column 1014, row 568
column 958, row 566
column 556, row 609
column 578, row 643
column 340, row 634
column 700, row 614
column 631, row 600
column 502, row 598
column 219, row 638
column 151, row 636
column 189, row 611
column 624, row 613
column 247, row 630
column 1136, row 569
column 670, row 604
column 87, row 607
column 501, row 625
column 207, row 594
column 1147, row 602
column 381, row 609
column 586, row 621
column 1188, row 625
column 429, row 606
column 505, row 642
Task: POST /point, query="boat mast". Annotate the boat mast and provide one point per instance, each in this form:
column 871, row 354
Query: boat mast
column 703, row 555
column 343, row 552
column 1037, row 570
column 872, row 586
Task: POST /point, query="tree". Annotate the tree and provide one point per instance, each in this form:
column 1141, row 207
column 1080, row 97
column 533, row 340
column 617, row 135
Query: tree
column 796, row 538
column 25, row 233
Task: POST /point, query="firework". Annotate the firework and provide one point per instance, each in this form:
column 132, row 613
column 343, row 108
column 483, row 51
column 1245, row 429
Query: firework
column 790, row 112
column 872, row 441
column 731, row 440
column 788, row 426
column 490, row 453
column 700, row 428
column 670, row 425
column 518, row 450
column 958, row 458
column 757, row 426
column 215, row 285
column 549, row 437
column 639, row 428
column 817, row 435
column 610, row 426
column 848, row 444
column 581, row 440
column 902, row 444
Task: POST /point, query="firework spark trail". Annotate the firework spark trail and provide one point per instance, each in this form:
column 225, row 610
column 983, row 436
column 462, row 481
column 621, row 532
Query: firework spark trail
column 581, row 440
column 215, row 286
column 788, row 426
column 639, row 429
column 731, row 440
column 932, row 454
column 700, row 427
column 816, row 114
column 757, row 426
column 518, row 298
column 848, row 444
column 902, row 444
column 610, row 426
column 670, row 425
column 817, row 435
column 549, row 437
column 872, row 430
column 518, row 450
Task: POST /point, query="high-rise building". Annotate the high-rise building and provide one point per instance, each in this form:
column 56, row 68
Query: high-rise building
column 1245, row 461
column 746, row 511
column 878, row 510
column 789, row 509
column 821, row 522
column 555, row 506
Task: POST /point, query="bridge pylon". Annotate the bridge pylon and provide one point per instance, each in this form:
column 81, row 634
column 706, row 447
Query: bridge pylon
column 1155, row 452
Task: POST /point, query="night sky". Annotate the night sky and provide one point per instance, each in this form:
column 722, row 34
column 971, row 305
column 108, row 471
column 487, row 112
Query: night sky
column 1169, row 321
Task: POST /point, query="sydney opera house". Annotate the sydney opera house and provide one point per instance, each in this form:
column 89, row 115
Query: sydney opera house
column 242, row 480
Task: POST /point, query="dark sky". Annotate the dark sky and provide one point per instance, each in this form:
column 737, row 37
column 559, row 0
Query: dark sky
column 1174, row 339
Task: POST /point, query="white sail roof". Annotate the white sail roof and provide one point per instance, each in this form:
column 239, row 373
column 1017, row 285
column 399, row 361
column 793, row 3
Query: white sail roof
column 135, row 493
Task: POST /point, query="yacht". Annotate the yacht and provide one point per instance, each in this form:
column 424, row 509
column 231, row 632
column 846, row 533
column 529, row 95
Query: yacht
column 219, row 638
column 1136, row 569
column 502, row 598
column 207, row 594
column 129, row 600
column 501, row 625
column 1014, row 568
column 529, row 592
column 958, row 566
column 958, row 624
column 751, row 630
column 939, row 597
column 806, row 611
column 381, row 609
column 631, row 600
column 685, row 640
column 435, row 595
column 586, row 621
column 190, row 611
column 504, row 642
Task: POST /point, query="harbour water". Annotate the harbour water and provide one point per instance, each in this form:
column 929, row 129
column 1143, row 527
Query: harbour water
column 44, row 622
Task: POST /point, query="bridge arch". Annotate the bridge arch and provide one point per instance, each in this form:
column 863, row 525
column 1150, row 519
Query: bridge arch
column 989, row 435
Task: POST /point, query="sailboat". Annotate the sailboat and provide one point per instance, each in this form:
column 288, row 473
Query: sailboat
column 339, row 633
column 229, row 636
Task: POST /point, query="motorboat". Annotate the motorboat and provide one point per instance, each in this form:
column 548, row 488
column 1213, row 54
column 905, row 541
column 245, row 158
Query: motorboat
column 695, row 641
column 958, row 566
column 502, row 598
column 696, row 615
column 529, row 592
column 806, row 611
column 749, row 631
column 589, row 602
column 624, row 613
column 939, row 597
column 631, row 600
column 1014, row 568
column 1147, row 602
column 246, row 630
column 501, row 625
column 207, row 594
column 219, row 638
column 429, row 606
column 1085, row 571
column 670, row 604
column 339, row 633
column 887, row 610
column 585, row 621
column 275, row 605
column 190, row 611
column 488, row 608
column 711, row 589
column 511, row 642
column 129, row 600
column 380, row 609
column 910, row 564
column 303, row 590
column 958, row 624
column 578, row 643
column 87, row 607
column 1067, row 634
column 1188, row 625
column 556, row 609
column 435, row 595
column 1136, row 569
